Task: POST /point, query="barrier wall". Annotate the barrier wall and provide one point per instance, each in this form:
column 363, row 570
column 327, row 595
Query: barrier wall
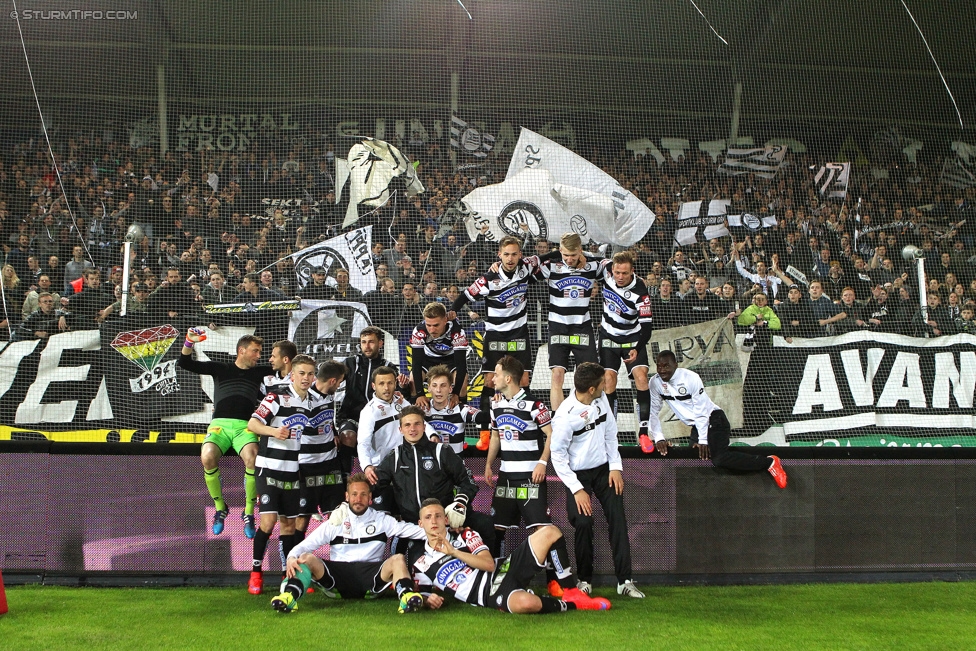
column 125, row 515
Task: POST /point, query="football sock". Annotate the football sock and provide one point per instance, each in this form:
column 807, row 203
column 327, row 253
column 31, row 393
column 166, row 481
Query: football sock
column 612, row 399
column 298, row 585
column 404, row 585
column 212, row 479
column 287, row 544
column 559, row 559
column 260, row 546
column 250, row 492
column 643, row 409
column 551, row 605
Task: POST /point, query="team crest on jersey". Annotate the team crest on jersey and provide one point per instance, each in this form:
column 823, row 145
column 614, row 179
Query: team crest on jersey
column 682, row 391
column 428, row 464
column 370, row 529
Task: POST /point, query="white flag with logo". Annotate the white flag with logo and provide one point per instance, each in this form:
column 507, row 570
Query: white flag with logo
column 373, row 165
column 533, row 203
column 764, row 162
column 699, row 221
column 832, row 180
column 349, row 251
column 469, row 141
column 534, row 151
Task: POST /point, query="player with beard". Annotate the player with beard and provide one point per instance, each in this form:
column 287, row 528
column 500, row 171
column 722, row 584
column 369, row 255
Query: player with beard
column 624, row 333
column 379, row 431
column 282, row 352
column 357, row 536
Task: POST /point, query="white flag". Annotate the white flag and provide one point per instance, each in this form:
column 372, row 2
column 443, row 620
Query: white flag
column 532, row 203
column 749, row 223
column 764, row 162
column 349, row 251
column 373, row 164
column 698, row 221
column 534, row 151
column 832, row 180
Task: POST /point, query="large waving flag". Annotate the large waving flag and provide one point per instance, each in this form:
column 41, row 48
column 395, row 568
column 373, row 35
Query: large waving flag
column 534, row 151
column 373, row 166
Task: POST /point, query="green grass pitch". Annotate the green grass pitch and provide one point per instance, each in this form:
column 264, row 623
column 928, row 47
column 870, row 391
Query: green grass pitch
column 834, row 616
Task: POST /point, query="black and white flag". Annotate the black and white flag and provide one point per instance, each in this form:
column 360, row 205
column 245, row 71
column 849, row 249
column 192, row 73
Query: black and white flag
column 469, row 141
column 699, row 221
column 749, row 224
column 832, row 180
column 956, row 173
column 764, row 162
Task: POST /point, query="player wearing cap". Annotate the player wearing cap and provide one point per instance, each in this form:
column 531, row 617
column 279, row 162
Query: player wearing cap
column 710, row 430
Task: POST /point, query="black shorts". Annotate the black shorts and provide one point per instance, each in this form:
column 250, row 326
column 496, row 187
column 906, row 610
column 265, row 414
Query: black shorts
column 514, row 574
column 517, row 499
column 322, row 487
column 582, row 346
column 612, row 353
column 356, row 580
column 499, row 344
column 277, row 496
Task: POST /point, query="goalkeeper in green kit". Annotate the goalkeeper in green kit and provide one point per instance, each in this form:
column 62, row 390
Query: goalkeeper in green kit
column 236, row 392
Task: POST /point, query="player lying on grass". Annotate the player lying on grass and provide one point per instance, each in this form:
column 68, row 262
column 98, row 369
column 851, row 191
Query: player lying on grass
column 357, row 537
column 460, row 565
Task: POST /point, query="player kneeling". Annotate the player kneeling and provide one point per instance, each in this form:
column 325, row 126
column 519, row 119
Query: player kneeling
column 357, row 537
column 461, row 566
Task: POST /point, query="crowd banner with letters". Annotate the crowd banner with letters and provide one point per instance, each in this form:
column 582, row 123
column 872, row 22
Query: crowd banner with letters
column 349, row 251
column 709, row 349
column 373, row 167
column 764, row 162
column 632, row 218
column 865, row 383
column 328, row 328
column 699, row 221
column 533, row 203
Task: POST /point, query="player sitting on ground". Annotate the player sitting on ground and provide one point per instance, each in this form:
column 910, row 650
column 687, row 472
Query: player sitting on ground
column 357, row 537
column 461, row 566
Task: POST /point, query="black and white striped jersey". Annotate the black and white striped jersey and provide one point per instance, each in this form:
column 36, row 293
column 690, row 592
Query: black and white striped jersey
column 624, row 309
column 358, row 538
column 583, row 437
column 379, row 430
column 440, row 350
column 569, row 294
column 451, row 575
column 269, row 383
column 448, row 423
column 318, row 443
column 277, row 458
column 505, row 296
column 519, row 421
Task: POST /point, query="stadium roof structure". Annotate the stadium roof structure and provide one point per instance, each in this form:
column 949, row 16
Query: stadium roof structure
column 844, row 60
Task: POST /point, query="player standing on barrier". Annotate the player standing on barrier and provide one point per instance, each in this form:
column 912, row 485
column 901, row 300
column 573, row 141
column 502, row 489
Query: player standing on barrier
column 439, row 341
column 624, row 333
column 506, row 324
column 520, row 431
column 281, row 420
column 282, row 352
column 358, row 391
column 448, row 421
column 357, row 537
column 587, row 460
column 710, row 430
column 461, row 566
column 236, row 390
column 379, row 430
column 571, row 279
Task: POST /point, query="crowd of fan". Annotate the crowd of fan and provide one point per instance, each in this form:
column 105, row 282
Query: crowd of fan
column 220, row 228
